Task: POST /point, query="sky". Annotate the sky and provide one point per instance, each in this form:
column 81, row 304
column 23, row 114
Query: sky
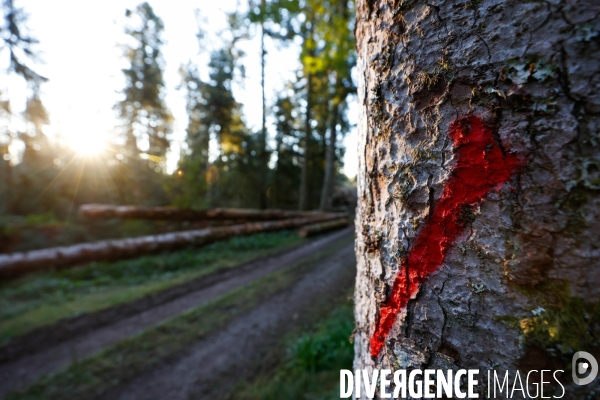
column 79, row 47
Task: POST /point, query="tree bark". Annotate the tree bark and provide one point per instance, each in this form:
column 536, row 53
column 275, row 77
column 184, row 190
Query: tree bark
column 16, row 264
column 104, row 211
column 322, row 227
column 478, row 184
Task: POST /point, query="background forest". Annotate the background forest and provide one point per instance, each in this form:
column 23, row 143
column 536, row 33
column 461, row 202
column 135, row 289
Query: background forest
column 248, row 114
column 293, row 163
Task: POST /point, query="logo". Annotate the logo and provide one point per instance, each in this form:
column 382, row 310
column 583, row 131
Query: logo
column 583, row 362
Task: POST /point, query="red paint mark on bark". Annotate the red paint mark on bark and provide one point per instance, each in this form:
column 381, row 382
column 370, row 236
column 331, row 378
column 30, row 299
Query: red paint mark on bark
column 480, row 167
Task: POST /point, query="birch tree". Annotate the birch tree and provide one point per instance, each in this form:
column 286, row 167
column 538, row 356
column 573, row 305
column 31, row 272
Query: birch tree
column 478, row 183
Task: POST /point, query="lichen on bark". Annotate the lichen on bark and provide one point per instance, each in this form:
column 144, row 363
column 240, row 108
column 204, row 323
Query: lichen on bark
column 531, row 71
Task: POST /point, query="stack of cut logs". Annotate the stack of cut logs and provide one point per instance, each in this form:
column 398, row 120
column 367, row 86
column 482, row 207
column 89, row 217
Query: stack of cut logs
column 310, row 223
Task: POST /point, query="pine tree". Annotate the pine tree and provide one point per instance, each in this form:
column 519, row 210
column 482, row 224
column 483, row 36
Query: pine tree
column 145, row 116
column 214, row 113
column 19, row 49
column 146, row 121
column 288, row 166
column 15, row 39
column 34, row 172
column 194, row 162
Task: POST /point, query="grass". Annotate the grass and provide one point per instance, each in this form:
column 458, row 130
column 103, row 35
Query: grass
column 43, row 298
column 118, row 363
column 313, row 360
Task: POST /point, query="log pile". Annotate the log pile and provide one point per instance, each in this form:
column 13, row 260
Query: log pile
column 322, row 227
column 16, row 264
column 103, row 211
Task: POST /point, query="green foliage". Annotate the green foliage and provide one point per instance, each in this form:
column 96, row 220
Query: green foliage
column 20, row 45
column 46, row 219
column 325, row 28
column 278, row 16
column 326, row 349
column 238, row 176
column 312, row 365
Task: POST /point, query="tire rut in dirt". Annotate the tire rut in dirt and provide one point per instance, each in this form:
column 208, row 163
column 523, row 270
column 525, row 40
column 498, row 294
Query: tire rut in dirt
column 217, row 362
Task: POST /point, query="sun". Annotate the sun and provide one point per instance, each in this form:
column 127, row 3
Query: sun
column 89, row 143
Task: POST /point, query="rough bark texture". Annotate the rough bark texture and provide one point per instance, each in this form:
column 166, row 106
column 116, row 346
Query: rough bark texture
column 518, row 287
column 16, row 264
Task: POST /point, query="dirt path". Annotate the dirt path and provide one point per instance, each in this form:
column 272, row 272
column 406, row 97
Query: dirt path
column 26, row 370
column 223, row 358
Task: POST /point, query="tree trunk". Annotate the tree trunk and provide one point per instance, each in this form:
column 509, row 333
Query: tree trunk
column 304, row 195
column 327, row 190
column 106, row 211
column 6, row 199
column 277, row 175
column 478, row 184
column 263, row 133
column 322, row 227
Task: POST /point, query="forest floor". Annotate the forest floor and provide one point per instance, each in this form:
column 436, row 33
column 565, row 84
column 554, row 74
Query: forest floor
column 198, row 343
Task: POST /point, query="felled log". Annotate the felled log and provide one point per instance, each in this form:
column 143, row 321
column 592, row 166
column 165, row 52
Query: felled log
column 104, row 211
column 322, row 227
column 16, row 264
